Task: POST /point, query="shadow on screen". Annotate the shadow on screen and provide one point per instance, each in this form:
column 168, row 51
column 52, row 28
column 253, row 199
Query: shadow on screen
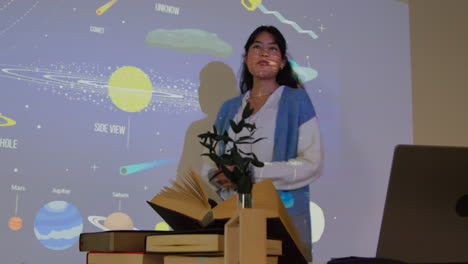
column 217, row 84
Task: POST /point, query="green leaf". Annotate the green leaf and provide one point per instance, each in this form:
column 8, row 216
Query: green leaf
column 236, row 157
column 241, row 124
column 227, row 159
column 253, row 155
column 228, row 173
column 234, row 127
column 257, row 163
column 236, row 174
column 247, row 111
column 258, row 139
column 245, row 153
column 244, row 138
column 204, row 135
column 229, row 162
column 250, row 127
column 226, row 138
column 208, row 146
column 243, row 142
column 215, row 158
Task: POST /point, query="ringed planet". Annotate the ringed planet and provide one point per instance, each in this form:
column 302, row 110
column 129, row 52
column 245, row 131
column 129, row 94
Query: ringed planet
column 8, row 121
column 115, row 221
column 88, row 84
column 130, row 89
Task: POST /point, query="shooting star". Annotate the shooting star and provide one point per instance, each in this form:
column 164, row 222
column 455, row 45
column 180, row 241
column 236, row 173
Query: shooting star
column 104, row 8
column 130, row 169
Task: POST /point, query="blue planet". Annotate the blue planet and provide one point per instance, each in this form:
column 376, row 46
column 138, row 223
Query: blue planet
column 58, row 225
column 287, row 198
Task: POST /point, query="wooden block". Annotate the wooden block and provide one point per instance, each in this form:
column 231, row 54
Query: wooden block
column 245, row 237
column 231, row 241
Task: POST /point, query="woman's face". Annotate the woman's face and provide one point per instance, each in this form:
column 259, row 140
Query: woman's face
column 264, row 58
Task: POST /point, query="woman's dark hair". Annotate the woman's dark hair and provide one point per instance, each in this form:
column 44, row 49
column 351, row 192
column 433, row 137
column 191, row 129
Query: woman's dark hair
column 285, row 76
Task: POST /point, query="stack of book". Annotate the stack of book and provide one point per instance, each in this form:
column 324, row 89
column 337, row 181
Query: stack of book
column 161, row 247
column 197, row 218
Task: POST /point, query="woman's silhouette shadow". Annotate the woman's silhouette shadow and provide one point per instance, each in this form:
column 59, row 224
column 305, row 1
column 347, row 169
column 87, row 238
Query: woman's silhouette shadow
column 217, row 84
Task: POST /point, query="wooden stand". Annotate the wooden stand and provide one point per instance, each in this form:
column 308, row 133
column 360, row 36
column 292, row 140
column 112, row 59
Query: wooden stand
column 245, row 240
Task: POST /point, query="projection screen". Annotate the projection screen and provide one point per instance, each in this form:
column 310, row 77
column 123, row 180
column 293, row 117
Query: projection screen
column 101, row 102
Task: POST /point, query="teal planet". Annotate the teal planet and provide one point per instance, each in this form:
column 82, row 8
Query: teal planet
column 287, row 198
column 58, row 225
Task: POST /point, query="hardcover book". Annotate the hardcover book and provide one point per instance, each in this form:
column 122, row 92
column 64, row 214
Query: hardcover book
column 178, row 259
column 128, row 240
column 172, row 243
column 124, row 258
column 186, row 206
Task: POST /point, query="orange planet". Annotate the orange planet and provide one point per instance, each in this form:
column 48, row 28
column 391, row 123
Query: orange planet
column 118, row 221
column 15, row 223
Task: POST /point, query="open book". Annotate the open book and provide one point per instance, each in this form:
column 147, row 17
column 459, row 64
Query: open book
column 186, row 206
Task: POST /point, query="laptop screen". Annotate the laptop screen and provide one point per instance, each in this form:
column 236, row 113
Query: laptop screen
column 425, row 217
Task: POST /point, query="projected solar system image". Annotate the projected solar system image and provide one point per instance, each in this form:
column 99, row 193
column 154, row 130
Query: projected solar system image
column 99, row 102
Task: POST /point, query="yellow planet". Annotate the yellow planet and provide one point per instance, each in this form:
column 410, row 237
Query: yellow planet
column 130, row 89
column 161, row 226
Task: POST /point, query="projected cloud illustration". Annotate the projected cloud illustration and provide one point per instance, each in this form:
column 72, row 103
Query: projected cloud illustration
column 128, row 88
column 104, row 8
column 5, row 121
column 189, row 41
column 253, row 4
column 134, row 168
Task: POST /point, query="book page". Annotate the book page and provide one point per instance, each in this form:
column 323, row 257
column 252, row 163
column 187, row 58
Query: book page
column 187, row 197
column 189, row 207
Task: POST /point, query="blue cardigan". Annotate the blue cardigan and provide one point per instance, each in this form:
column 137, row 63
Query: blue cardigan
column 294, row 110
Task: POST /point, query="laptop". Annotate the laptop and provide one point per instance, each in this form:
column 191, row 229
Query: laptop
column 425, row 217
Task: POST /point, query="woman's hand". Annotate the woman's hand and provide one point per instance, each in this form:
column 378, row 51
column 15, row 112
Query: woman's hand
column 223, row 180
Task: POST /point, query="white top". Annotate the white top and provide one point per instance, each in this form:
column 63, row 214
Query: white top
column 286, row 175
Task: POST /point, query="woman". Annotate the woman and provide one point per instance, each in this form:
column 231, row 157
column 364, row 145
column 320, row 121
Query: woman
column 285, row 116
